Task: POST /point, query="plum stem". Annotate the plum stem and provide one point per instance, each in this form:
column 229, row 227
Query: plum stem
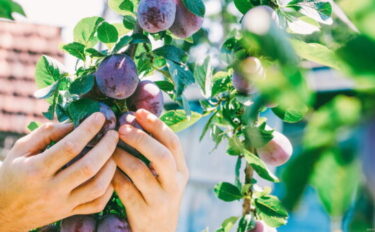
column 131, row 51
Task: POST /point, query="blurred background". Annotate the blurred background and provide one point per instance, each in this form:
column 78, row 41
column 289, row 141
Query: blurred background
column 50, row 23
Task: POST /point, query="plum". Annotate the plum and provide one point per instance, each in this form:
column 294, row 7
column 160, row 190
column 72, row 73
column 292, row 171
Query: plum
column 117, row 77
column 249, row 70
column 156, row 15
column 262, row 227
column 49, row 228
column 186, row 23
column 128, row 118
column 110, row 123
column 277, row 152
column 148, row 96
column 79, row 223
column 259, row 19
column 112, row 223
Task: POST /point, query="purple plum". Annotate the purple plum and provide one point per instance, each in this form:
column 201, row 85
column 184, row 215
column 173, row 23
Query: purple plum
column 117, row 77
column 78, row 223
column 129, row 118
column 112, row 223
column 186, row 23
column 148, row 96
column 156, row 15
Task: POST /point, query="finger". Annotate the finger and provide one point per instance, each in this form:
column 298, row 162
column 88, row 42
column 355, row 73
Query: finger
column 39, row 139
column 161, row 132
column 96, row 205
column 139, row 173
column 89, row 165
column 160, row 157
column 95, row 187
column 128, row 193
column 69, row 147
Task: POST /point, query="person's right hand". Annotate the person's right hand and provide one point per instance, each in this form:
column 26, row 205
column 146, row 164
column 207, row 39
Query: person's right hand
column 35, row 191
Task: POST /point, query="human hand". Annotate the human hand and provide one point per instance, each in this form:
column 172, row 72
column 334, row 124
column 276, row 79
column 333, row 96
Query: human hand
column 35, row 190
column 152, row 202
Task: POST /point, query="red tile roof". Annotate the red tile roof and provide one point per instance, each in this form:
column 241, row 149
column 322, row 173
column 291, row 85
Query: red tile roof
column 21, row 45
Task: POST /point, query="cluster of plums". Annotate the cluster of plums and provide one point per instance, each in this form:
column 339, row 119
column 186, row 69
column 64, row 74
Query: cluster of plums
column 117, row 78
column 161, row 15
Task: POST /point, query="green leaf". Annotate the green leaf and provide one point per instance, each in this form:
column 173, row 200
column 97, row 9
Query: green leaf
column 107, row 33
column 82, row 85
column 81, row 109
column 318, row 53
column 243, row 5
column 221, row 82
column 8, row 7
column 47, row 91
column 122, row 7
column 318, row 10
column 290, row 115
column 170, row 52
column 181, row 75
column 195, row 6
column 359, row 54
column 34, row 125
column 124, row 41
column 85, row 31
column 140, row 38
column 129, row 22
column 258, row 136
column 259, row 166
column 178, row 121
column 227, row 192
column 48, row 71
column 95, row 53
column 166, row 86
column 76, row 49
column 203, row 75
column 336, row 182
column 271, row 211
column 247, row 223
column 227, row 224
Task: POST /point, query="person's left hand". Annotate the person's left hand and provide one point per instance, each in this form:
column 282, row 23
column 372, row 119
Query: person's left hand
column 152, row 202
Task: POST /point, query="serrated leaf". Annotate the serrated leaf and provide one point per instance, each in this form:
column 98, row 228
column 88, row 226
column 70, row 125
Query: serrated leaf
column 177, row 120
column 82, row 85
column 170, row 52
column 203, row 76
column 166, row 86
column 107, row 33
column 243, row 5
column 48, row 71
column 227, row 224
column 259, row 166
column 85, row 31
column 246, row 223
column 271, row 211
column 47, row 91
column 129, row 22
column 95, row 53
column 228, row 192
column 79, row 110
column 197, row 7
column 75, row 49
column 139, row 38
column 181, row 75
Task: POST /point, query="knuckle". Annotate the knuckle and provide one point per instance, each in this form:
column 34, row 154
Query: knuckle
column 47, row 127
column 139, row 138
column 174, row 142
column 87, row 170
column 21, row 142
column 70, row 148
column 136, row 166
column 90, row 129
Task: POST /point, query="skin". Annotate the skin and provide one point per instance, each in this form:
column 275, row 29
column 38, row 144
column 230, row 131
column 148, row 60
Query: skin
column 278, row 151
column 152, row 201
column 35, row 191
